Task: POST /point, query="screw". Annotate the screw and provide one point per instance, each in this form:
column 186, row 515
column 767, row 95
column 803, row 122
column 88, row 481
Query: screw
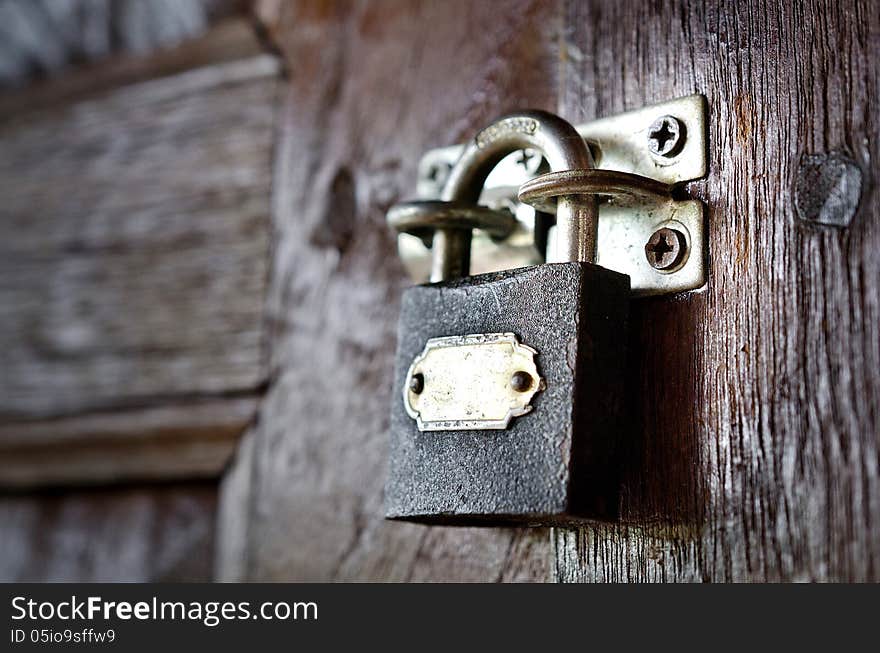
column 521, row 381
column 665, row 249
column 529, row 160
column 438, row 172
column 666, row 136
column 417, row 384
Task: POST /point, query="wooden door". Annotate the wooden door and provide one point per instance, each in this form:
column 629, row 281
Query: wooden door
column 371, row 86
column 751, row 451
column 754, row 452
column 753, row 447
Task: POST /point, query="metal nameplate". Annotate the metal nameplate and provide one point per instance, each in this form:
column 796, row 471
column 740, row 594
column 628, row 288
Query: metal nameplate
column 477, row 381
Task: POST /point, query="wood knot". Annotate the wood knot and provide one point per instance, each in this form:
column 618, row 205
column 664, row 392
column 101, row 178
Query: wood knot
column 336, row 227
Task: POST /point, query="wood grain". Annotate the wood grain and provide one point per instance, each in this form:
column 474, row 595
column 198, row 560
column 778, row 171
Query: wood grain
column 133, row 254
column 189, row 440
column 41, row 38
column 147, row 534
column 753, row 453
column 231, row 39
column 135, row 213
column 372, row 85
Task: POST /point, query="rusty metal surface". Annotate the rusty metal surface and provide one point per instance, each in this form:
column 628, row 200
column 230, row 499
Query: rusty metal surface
column 422, row 217
column 639, row 157
column 549, row 466
column 620, row 188
column 561, row 146
column 632, row 210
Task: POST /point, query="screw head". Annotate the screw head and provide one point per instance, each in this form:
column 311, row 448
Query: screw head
column 665, row 249
column 417, row 383
column 439, row 172
column 521, row 381
column 529, row 160
column 666, row 136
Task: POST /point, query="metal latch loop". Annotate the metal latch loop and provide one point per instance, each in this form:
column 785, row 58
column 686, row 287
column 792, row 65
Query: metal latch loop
column 621, row 188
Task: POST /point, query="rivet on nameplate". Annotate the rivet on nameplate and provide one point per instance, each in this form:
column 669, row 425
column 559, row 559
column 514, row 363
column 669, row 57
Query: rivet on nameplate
column 477, row 381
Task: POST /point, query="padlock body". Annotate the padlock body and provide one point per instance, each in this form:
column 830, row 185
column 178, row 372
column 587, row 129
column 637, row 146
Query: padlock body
column 553, row 465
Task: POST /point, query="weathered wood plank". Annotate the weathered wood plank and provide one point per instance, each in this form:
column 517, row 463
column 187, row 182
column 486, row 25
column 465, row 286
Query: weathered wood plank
column 398, row 78
column 148, row 534
column 44, row 37
column 232, row 39
column 191, row 440
column 137, row 215
column 756, row 404
column 134, row 245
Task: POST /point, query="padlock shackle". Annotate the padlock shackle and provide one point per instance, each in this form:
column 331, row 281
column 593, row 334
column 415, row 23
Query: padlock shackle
column 562, row 147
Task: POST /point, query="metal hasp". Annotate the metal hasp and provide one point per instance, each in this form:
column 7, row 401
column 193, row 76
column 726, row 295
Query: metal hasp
column 475, row 381
column 664, row 144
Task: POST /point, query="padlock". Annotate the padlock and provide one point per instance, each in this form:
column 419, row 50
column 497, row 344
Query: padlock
column 508, row 385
